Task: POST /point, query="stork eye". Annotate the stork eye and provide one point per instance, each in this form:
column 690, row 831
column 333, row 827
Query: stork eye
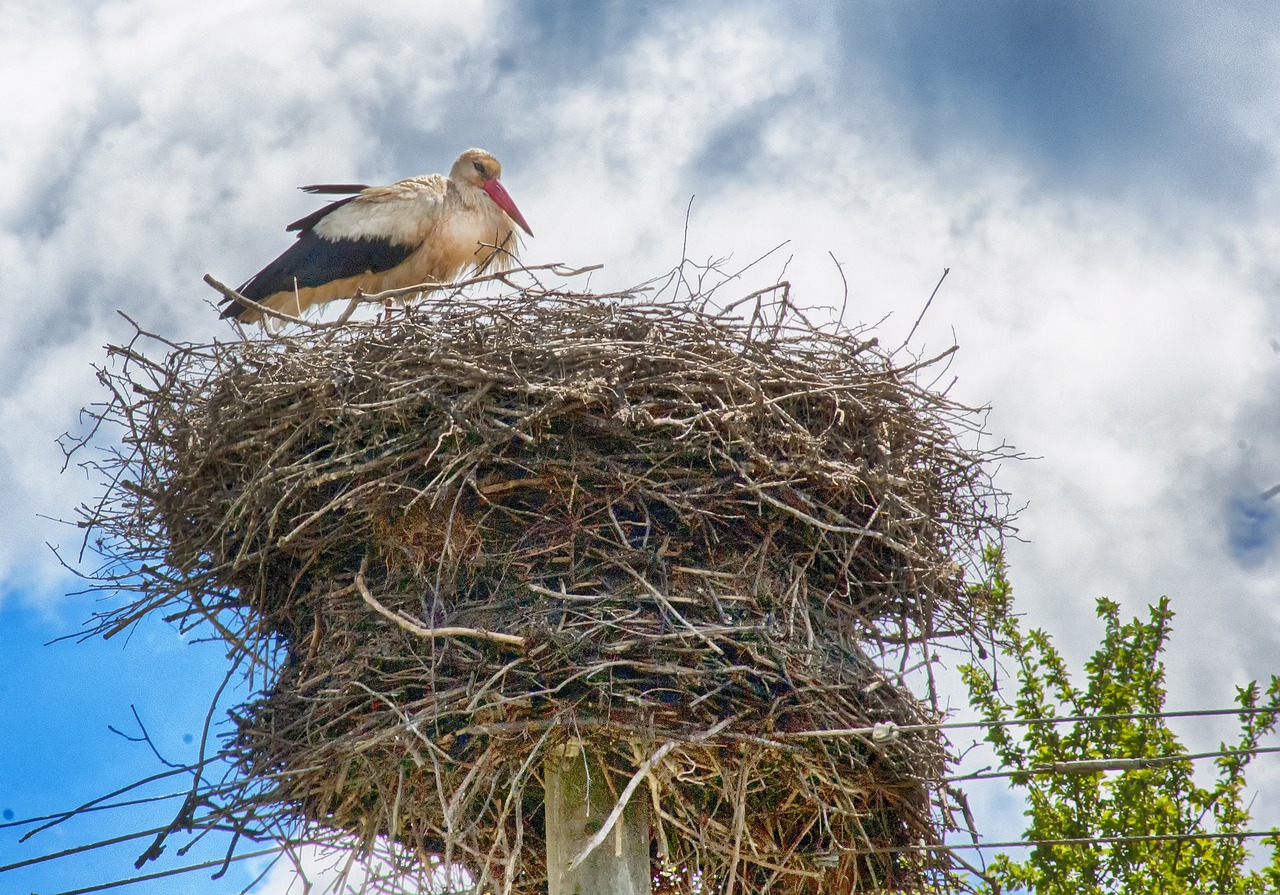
column 479, row 169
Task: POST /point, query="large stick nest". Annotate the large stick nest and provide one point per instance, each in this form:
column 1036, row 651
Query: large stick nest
column 496, row 525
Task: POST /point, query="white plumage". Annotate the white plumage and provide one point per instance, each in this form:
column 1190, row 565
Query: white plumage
column 424, row 230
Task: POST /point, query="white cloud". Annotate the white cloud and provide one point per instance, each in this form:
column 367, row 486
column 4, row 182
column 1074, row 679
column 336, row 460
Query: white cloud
column 613, row 172
column 155, row 142
column 311, row 870
column 152, row 144
column 1110, row 346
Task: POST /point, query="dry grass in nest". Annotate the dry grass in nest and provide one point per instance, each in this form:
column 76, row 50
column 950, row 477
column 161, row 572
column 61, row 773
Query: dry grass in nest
column 502, row 523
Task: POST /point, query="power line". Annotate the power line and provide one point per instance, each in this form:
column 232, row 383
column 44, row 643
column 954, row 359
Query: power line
column 60, row 817
column 886, row 729
column 884, row 732
column 160, row 874
column 931, row 848
column 97, row 806
column 203, row 824
column 1100, row 765
column 65, row 853
column 1131, row 716
column 1083, row 766
column 1085, row 840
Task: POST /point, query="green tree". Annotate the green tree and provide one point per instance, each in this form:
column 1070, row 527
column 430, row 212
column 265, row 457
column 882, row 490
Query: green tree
column 1114, row 779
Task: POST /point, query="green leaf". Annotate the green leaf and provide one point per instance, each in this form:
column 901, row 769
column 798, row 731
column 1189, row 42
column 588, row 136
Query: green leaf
column 1124, row 677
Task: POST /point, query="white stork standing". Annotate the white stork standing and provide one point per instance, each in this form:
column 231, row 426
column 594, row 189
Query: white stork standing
column 426, row 229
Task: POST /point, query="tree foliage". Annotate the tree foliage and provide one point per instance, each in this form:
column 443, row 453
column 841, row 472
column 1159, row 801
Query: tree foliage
column 1146, row 822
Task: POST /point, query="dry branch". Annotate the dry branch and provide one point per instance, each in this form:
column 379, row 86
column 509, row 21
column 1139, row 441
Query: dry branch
column 505, row 522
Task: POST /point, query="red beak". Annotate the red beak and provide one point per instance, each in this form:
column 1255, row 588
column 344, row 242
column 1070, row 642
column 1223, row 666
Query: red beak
column 498, row 193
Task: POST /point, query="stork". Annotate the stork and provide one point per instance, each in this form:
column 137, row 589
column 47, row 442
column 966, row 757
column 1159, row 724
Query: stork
column 426, row 229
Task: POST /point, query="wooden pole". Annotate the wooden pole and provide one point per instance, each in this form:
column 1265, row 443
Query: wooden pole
column 578, row 801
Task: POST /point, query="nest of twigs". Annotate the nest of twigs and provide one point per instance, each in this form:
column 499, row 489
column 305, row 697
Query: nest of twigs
column 495, row 525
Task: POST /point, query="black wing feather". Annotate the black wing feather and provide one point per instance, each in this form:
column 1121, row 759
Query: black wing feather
column 314, row 261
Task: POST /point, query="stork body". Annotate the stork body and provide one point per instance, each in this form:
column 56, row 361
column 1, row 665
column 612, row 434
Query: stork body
column 425, row 229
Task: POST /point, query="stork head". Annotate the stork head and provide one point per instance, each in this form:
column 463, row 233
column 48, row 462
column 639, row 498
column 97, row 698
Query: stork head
column 480, row 169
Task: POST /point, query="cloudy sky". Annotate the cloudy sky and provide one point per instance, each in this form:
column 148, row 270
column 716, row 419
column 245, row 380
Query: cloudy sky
column 1099, row 177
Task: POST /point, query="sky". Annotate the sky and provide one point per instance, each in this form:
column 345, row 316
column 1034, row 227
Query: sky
column 1100, row 179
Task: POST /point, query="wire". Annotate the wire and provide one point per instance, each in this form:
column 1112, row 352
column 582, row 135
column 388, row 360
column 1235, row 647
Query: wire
column 101, row 843
column 881, row 733
column 99, row 803
column 1020, row 722
column 1086, row 840
column 86, row 809
column 220, row 862
column 56, row 819
column 204, row 824
column 1132, row 716
column 1095, row 766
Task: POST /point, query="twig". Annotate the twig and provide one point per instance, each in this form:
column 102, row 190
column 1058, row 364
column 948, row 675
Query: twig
column 925, row 309
column 145, row 737
column 252, row 305
column 607, row 827
column 432, row 633
column 641, row 773
column 359, row 297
